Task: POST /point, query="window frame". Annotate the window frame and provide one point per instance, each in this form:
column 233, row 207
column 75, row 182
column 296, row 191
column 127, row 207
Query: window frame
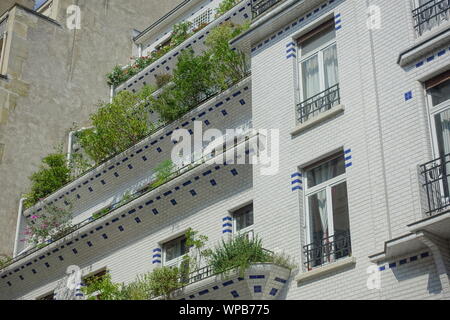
column 433, row 111
column 249, row 230
column 301, row 59
column 175, row 262
column 327, row 185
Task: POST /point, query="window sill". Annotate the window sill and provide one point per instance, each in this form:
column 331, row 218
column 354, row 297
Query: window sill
column 320, row 118
column 329, row 268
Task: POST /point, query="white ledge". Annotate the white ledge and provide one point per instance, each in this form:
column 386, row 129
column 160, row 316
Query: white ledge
column 329, row 268
column 318, row 119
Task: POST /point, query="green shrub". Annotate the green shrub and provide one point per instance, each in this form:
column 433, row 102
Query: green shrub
column 4, row 260
column 163, row 172
column 181, row 32
column 163, row 282
column 52, row 175
column 225, row 6
column 239, row 254
column 230, row 66
column 117, row 125
column 104, row 289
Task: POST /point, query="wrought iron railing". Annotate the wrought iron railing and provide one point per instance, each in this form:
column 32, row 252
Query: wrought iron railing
column 261, row 6
column 435, row 181
column 319, row 103
column 327, row 250
column 430, row 15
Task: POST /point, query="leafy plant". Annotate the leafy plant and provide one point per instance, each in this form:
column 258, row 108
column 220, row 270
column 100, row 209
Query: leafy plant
column 53, row 223
column 239, row 253
column 163, row 172
column 196, row 243
column 230, row 65
column 180, row 33
column 52, row 175
column 117, row 125
column 102, row 288
column 164, row 281
column 162, row 79
column 225, row 6
column 4, row 260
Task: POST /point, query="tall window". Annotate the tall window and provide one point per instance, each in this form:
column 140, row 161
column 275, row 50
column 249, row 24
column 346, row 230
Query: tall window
column 174, row 250
column 327, row 218
column 438, row 90
column 243, row 221
column 318, row 61
column 318, row 69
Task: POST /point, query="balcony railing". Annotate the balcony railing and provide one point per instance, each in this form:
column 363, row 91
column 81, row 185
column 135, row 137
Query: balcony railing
column 261, row 6
column 327, row 250
column 435, row 181
column 430, row 15
column 319, row 103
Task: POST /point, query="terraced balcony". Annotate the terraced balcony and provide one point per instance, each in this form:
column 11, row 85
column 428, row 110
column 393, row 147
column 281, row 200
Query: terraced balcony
column 261, row 281
column 136, row 220
column 132, row 171
column 167, row 62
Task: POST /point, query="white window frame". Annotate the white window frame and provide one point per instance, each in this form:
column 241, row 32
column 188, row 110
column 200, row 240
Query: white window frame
column 247, row 231
column 302, row 58
column 432, row 112
column 175, row 262
column 327, row 186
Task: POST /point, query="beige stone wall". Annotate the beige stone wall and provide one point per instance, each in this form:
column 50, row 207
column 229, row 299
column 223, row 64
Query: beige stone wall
column 7, row 4
column 56, row 76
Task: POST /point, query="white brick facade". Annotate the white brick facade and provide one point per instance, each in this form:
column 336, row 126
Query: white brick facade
column 384, row 130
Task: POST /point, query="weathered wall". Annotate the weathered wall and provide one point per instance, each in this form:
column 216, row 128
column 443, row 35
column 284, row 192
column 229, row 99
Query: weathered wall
column 7, row 4
column 56, row 77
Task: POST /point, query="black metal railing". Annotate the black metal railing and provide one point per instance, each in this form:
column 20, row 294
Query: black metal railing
column 430, row 15
column 319, row 103
column 261, row 6
column 327, row 250
column 435, row 181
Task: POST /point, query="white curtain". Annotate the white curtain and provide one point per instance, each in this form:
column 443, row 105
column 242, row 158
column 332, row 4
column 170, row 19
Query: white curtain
column 445, row 131
column 322, row 204
column 330, row 65
column 310, row 75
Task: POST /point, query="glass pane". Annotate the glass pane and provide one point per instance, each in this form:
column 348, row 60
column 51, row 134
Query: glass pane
column 318, row 217
column 319, row 40
column 330, row 65
column 310, row 77
column 341, row 221
column 244, row 217
column 340, row 208
column 326, row 171
column 440, row 93
column 175, row 248
column 443, row 132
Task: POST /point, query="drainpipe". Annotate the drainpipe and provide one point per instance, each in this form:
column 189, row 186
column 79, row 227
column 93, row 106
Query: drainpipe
column 19, row 220
column 111, row 94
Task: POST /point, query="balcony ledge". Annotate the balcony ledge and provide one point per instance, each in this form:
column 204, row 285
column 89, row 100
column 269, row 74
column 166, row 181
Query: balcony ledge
column 318, row 119
column 325, row 270
column 262, row 281
column 425, row 45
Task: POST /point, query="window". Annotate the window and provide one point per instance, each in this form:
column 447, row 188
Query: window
column 175, row 249
column 438, row 91
column 95, row 277
column 428, row 14
column 318, row 69
column 202, row 19
column 327, row 219
column 243, row 219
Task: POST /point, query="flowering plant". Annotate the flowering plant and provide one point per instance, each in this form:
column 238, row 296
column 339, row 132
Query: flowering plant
column 52, row 224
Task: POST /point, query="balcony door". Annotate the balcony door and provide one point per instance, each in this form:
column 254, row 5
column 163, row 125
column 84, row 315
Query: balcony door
column 438, row 173
column 327, row 218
